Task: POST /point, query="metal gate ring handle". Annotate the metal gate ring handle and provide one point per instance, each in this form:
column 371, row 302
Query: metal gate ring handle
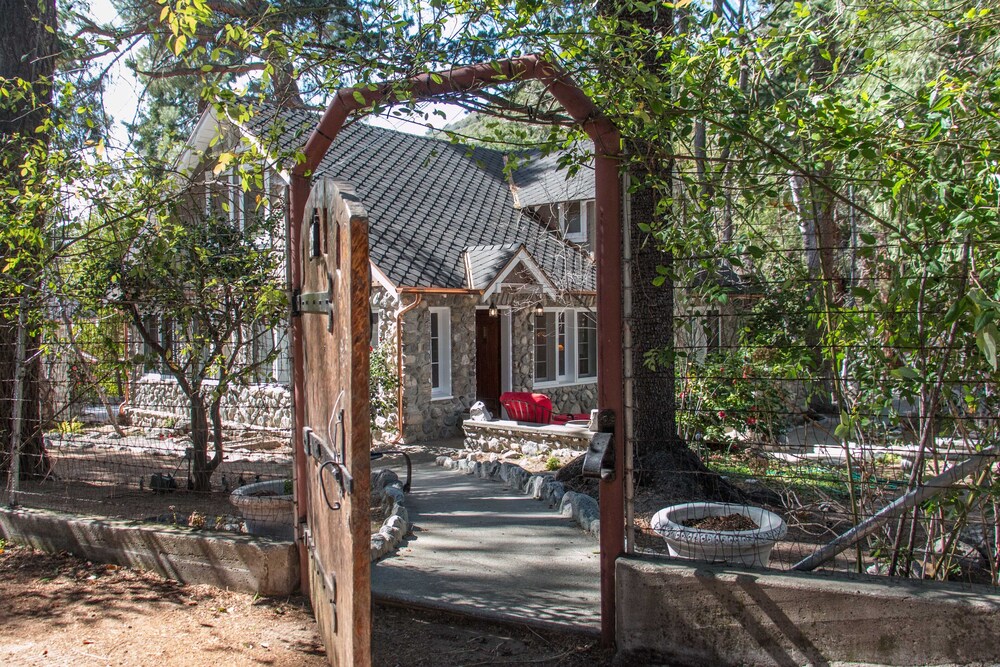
column 334, row 506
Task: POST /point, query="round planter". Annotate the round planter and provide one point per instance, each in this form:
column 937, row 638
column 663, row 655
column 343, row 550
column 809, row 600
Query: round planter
column 740, row 547
column 267, row 516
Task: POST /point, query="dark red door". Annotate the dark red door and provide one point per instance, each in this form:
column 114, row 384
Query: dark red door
column 488, row 360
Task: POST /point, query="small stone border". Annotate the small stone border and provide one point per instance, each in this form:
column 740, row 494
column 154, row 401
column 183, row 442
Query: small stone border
column 385, row 484
column 580, row 507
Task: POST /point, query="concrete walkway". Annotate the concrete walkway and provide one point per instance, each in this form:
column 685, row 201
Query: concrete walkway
column 482, row 549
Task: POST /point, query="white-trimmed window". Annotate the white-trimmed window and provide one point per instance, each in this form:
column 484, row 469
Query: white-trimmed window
column 440, row 352
column 575, row 218
column 565, row 346
column 586, row 345
column 234, row 199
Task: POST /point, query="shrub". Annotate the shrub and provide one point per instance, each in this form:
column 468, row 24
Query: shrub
column 733, row 397
column 382, row 385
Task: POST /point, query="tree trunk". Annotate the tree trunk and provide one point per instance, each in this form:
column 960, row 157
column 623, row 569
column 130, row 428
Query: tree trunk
column 662, row 458
column 27, row 48
column 201, row 468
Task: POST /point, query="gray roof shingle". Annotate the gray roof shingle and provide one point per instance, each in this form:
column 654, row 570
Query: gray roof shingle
column 538, row 180
column 486, row 261
column 428, row 201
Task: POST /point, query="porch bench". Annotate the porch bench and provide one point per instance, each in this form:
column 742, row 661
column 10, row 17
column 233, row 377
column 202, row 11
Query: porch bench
column 529, row 438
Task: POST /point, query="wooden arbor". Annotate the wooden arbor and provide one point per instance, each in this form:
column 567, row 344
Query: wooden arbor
column 347, row 645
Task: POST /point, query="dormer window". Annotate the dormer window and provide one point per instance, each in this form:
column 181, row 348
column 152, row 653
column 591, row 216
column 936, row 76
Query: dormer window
column 574, row 220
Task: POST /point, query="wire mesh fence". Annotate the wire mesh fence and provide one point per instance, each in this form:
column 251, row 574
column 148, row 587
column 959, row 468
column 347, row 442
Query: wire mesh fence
column 114, row 437
column 855, row 403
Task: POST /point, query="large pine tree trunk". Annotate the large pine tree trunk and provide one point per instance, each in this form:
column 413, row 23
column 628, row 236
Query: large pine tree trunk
column 662, row 459
column 27, row 53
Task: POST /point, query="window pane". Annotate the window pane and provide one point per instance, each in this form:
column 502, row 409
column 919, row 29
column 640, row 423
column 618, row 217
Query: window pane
column 713, row 331
column 586, row 327
column 574, row 224
column 435, row 353
column 561, row 343
column 545, row 347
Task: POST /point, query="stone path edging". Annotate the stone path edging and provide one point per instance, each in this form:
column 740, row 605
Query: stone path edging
column 580, row 507
column 386, row 484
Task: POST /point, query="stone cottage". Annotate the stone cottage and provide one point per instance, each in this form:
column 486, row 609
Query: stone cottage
column 482, row 278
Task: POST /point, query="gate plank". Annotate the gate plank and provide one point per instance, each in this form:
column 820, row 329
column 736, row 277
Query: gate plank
column 335, row 351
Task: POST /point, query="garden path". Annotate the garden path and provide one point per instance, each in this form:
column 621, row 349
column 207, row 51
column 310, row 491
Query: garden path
column 483, row 549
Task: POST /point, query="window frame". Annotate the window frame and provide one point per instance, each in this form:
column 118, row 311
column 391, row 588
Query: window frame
column 442, row 341
column 591, row 346
column 581, row 236
column 568, row 359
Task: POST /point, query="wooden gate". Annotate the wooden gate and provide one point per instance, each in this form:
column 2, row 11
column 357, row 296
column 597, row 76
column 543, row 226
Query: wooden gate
column 336, row 440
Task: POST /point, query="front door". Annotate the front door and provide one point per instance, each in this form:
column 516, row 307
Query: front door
column 336, row 439
column 488, row 360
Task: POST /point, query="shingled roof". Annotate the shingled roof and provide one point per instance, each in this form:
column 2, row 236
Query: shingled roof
column 538, row 180
column 428, row 201
column 484, row 262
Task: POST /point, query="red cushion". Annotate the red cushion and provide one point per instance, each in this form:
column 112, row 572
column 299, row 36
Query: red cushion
column 562, row 419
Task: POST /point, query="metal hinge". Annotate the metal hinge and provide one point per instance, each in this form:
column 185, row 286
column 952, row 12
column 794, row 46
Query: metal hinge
column 311, row 302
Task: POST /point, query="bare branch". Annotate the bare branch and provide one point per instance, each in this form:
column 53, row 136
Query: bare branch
column 216, row 68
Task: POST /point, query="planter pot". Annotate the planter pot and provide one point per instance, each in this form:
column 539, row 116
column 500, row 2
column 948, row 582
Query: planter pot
column 739, row 547
column 266, row 515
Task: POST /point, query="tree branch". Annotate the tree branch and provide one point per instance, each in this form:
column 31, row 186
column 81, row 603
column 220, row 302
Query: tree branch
column 210, row 68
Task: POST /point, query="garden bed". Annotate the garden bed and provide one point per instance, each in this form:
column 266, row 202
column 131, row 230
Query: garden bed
column 97, row 472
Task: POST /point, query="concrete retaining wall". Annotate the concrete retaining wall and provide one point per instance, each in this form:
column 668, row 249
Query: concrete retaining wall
column 703, row 614
column 251, row 565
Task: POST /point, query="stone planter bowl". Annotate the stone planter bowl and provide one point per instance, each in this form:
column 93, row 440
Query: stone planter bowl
column 266, row 516
column 739, row 547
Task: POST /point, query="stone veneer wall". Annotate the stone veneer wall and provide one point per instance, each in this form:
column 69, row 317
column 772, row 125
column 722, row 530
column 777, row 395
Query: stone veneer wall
column 158, row 401
column 505, row 436
column 573, row 398
column 424, row 418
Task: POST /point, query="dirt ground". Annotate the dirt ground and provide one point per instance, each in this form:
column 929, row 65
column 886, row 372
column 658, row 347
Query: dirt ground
column 60, row 610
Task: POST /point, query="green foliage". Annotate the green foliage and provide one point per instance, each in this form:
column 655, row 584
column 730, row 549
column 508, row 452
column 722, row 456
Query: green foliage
column 734, row 398
column 552, row 463
column 383, row 384
column 71, row 427
column 193, row 284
